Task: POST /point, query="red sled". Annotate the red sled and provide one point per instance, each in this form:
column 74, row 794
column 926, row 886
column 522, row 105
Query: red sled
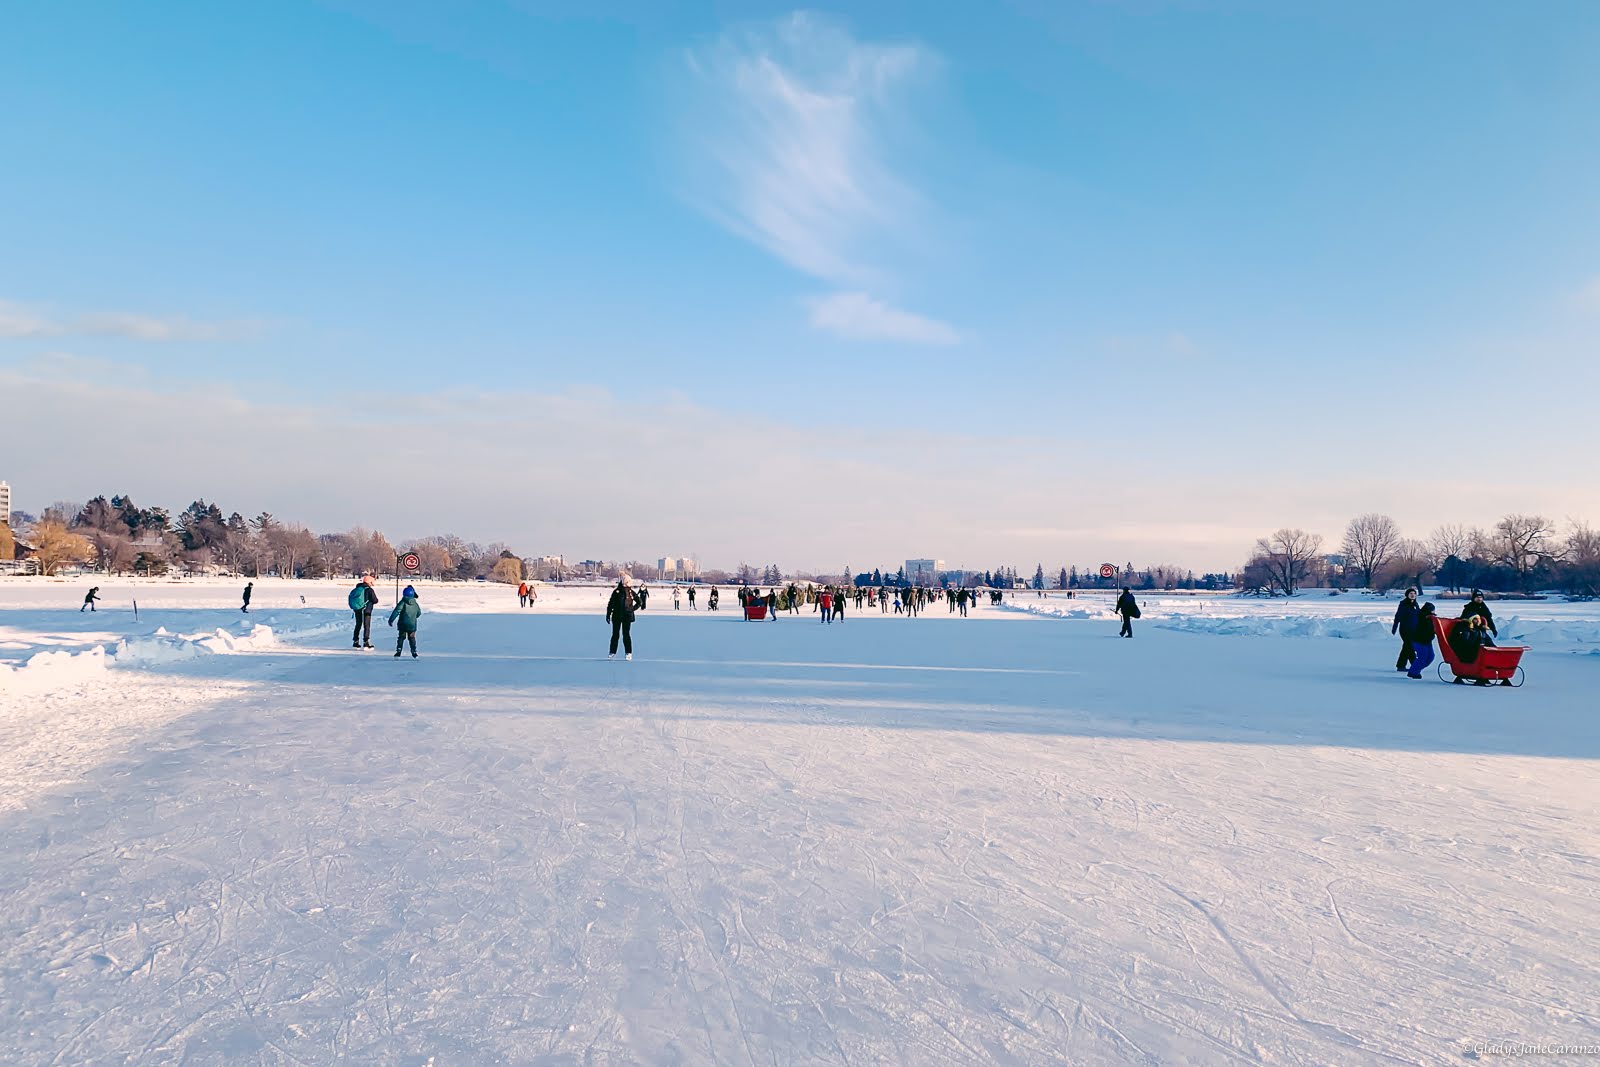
column 755, row 611
column 1501, row 664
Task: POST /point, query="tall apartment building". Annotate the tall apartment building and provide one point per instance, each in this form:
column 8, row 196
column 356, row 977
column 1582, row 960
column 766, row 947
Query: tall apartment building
column 923, row 571
column 678, row 568
column 5, row 503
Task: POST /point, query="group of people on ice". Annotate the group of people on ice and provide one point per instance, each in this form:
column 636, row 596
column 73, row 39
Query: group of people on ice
column 1473, row 632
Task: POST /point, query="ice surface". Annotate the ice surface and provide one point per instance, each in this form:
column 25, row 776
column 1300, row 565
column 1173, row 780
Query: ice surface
column 1005, row 839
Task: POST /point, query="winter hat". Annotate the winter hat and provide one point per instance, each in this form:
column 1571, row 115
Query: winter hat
column 627, row 579
column 409, row 591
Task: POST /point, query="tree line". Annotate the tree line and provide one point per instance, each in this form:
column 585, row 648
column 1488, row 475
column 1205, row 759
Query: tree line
column 1520, row 553
column 118, row 536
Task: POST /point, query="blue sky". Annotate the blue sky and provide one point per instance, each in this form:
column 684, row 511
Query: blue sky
column 1146, row 277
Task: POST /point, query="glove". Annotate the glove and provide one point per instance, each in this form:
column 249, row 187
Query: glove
column 391, row 622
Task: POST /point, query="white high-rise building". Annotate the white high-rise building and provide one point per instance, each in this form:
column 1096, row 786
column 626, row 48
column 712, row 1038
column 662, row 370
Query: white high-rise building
column 5, row 503
column 923, row 571
column 678, row 568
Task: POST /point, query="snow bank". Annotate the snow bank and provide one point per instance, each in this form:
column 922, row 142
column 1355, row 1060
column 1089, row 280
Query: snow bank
column 47, row 671
column 1238, row 620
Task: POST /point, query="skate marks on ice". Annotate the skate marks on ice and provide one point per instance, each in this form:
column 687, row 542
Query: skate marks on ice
column 629, row 865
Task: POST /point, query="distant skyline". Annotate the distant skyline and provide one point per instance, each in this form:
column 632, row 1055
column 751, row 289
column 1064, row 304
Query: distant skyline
column 993, row 283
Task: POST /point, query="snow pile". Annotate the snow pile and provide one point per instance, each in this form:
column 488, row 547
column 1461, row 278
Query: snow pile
column 47, row 671
column 1276, row 626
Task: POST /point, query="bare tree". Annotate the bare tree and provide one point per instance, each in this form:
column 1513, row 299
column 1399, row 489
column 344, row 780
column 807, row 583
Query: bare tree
column 1521, row 541
column 54, row 544
column 1369, row 541
column 1288, row 555
column 1583, row 560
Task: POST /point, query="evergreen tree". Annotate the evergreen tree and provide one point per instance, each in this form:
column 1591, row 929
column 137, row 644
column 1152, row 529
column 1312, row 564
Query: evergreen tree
column 1038, row 576
column 1061, row 579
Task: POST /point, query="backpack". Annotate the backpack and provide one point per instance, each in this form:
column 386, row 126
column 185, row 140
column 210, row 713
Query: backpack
column 358, row 598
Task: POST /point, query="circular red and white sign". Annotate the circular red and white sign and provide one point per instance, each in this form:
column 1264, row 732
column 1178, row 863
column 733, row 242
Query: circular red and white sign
column 410, row 561
column 1107, row 571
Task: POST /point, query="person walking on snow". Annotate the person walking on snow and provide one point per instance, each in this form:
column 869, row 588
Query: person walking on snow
column 363, row 598
column 677, row 598
column 620, row 614
column 247, row 587
column 522, row 595
column 1128, row 608
column 1405, row 617
column 691, row 599
column 89, row 598
column 1421, row 641
column 406, row 612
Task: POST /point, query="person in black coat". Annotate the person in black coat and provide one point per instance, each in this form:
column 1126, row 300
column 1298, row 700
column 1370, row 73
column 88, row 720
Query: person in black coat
column 89, row 598
column 248, row 586
column 619, row 613
column 1128, row 608
column 1476, row 607
column 1405, row 617
column 1422, row 641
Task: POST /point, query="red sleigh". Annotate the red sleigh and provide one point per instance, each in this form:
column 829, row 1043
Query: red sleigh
column 1500, row 664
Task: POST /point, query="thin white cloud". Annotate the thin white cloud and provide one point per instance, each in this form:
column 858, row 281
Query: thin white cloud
column 859, row 317
column 793, row 125
column 18, row 320
column 1587, row 297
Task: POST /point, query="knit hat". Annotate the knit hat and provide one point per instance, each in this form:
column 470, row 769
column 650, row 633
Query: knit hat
column 409, row 591
column 627, row 579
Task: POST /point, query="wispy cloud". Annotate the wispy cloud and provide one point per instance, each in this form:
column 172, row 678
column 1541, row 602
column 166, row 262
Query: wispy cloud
column 1587, row 296
column 860, row 317
column 18, row 320
column 793, row 124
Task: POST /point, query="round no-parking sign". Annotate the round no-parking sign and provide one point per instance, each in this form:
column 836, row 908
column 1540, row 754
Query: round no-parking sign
column 410, row 561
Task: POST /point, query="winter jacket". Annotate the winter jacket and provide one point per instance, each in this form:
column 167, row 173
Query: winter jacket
column 1422, row 630
column 372, row 599
column 1405, row 617
column 1465, row 642
column 622, row 605
column 1126, row 605
column 406, row 611
column 1480, row 609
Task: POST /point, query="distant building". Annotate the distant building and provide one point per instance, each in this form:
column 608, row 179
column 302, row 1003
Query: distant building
column 5, row 503
column 923, row 571
column 678, row 568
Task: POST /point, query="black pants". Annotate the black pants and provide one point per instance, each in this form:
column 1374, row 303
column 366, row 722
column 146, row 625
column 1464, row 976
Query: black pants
column 623, row 628
column 400, row 641
column 1127, row 626
column 363, row 632
column 1408, row 656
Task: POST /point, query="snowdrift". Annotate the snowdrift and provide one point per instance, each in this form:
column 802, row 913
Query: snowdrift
column 47, row 671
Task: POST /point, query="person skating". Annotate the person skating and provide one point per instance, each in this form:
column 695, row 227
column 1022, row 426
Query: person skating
column 839, row 600
column 89, row 598
column 405, row 613
column 620, row 611
column 1128, row 608
column 677, row 598
column 363, row 598
column 1422, row 641
column 711, row 601
column 1476, row 607
column 1405, row 617
column 246, row 606
column 643, row 596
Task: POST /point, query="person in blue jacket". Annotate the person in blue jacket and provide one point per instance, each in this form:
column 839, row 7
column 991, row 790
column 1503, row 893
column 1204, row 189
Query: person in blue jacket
column 406, row 613
column 1405, row 617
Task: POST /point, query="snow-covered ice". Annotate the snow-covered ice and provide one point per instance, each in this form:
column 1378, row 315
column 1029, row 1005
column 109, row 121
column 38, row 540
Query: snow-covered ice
column 1239, row 838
